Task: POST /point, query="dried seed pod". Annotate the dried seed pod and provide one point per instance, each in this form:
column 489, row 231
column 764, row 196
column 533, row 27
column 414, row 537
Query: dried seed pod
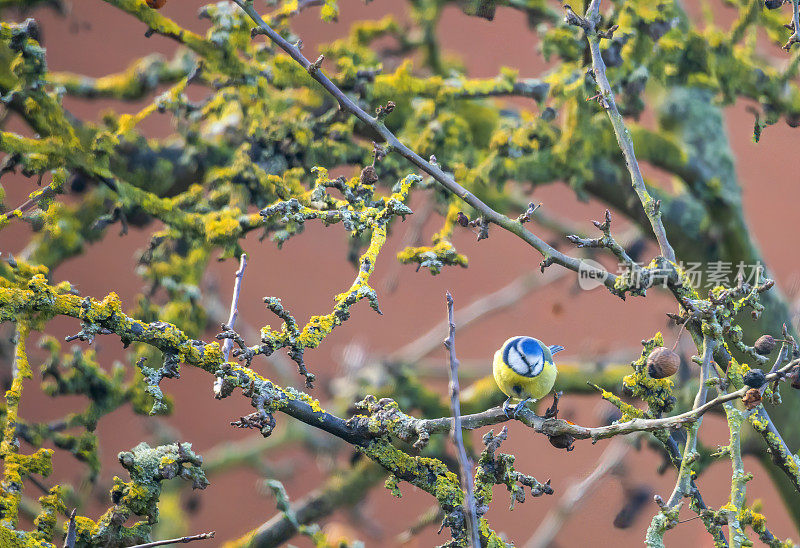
column 156, row 4
column 765, row 345
column 662, row 363
column 755, row 378
column 751, row 398
column 562, row 441
column 368, row 176
column 796, row 381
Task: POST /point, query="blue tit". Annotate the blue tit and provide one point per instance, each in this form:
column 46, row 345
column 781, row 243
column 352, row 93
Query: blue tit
column 524, row 369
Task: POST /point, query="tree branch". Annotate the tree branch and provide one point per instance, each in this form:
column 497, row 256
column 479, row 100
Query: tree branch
column 181, row 540
column 237, row 287
column 455, row 405
column 606, row 99
column 550, row 254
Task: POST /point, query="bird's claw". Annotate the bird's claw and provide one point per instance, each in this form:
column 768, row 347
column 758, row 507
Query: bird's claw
column 552, row 411
column 520, row 406
column 507, row 408
column 514, row 413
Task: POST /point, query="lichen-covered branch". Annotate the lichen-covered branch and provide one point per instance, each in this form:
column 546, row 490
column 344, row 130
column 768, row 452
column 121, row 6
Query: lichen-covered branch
column 550, row 254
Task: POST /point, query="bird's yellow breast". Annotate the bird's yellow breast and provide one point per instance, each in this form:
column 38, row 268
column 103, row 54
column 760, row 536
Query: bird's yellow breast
column 517, row 386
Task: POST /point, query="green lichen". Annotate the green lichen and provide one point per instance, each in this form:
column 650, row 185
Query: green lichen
column 148, row 468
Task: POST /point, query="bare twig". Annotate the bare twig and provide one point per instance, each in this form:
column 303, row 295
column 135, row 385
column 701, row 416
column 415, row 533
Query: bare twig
column 181, row 540
column 606, row 99
column 683, row 485
column 550, row 254
column 455, row 405
column 606, row 240
column 237, row 287
column 432, row 515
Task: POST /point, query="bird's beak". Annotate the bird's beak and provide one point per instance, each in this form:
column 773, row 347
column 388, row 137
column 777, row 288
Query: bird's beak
column 555, row 348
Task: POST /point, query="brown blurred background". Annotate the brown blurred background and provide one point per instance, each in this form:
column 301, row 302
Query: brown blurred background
column 96, row 39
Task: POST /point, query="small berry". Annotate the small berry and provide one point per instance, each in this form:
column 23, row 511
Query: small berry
column 755, row 378
column 764, row 345
column 156, row 4
column 773, row 4
column 662, row 363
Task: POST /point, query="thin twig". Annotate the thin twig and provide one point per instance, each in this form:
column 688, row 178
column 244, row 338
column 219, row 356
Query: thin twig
column 606, row 99
column 683, row 484
column 237, row 287
column 550, row 254
column 181, row 540
column 429, row 517
column 455, row 405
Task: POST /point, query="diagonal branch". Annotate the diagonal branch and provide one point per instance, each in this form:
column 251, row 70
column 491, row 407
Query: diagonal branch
column 478, row 309
column 551, row 255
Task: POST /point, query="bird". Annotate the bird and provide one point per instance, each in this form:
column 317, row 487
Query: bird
column 523, row 368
